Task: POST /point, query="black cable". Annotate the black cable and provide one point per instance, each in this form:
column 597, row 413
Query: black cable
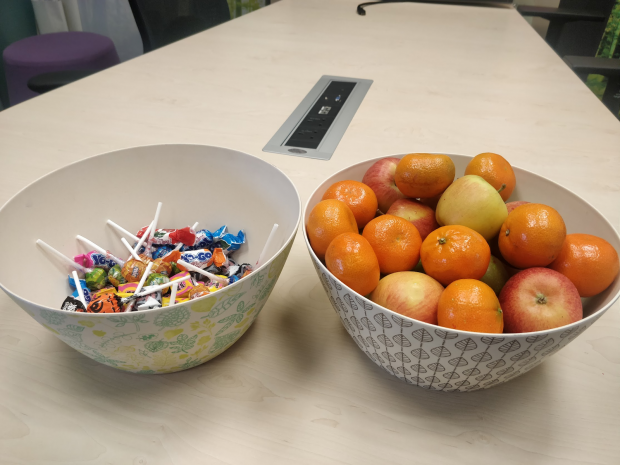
column 488, row 3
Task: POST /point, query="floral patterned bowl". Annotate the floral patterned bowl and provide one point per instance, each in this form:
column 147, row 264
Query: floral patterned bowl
column 438, row 358
column 212, row 185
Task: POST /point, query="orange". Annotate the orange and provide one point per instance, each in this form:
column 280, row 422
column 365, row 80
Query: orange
column 532, row 235
column 350, row 258
column 422, row 175
column 495, row 170
column 360, row 198
column 455, row 252
column 591, row 263
column 470, row 305
column 396, row 243
column 328, row 219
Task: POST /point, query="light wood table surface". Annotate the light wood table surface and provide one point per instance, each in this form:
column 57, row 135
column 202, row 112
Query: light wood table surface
column 296, row 389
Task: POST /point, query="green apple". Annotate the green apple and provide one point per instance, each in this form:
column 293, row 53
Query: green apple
column 471, row 201
column 496, row 275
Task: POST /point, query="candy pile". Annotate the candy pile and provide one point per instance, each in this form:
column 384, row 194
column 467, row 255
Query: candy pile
column 166, row 266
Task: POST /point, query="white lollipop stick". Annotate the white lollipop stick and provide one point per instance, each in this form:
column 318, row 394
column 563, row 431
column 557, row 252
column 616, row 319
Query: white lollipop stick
column 131, row 251
column 123, row 231
column 143, row 238
column 211, row 276
column 173, row 294
column 261, row 257
column 100, row 249
column 61, row 256
column 76, row 280
column 147, row 272
column 195, row 226
column 150, row 289
column 149, row 242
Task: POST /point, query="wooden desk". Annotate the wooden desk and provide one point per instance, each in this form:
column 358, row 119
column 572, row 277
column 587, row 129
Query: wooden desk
column 296, row 389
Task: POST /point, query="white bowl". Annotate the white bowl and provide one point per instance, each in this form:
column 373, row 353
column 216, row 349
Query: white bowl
column 442, row 359
column 212, row 185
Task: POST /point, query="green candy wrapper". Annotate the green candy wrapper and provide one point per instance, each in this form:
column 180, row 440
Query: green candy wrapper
column 115, row 276
column 96, row 279
column 155, row 279
column 175, row 268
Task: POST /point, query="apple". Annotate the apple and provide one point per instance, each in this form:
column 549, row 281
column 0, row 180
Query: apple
column 512, row 205
column 538, row 299
column 432, row 201
column 380, row 178
column 471, row 201
column 421, row 216
column 410, row 294
column 496, row 275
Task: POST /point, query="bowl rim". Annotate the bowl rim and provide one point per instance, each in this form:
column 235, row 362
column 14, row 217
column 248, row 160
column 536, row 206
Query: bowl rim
column 594, row 316
column 102, row 154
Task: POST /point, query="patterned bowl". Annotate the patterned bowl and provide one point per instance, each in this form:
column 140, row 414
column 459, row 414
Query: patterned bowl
column 441, row 359
column 212, row 185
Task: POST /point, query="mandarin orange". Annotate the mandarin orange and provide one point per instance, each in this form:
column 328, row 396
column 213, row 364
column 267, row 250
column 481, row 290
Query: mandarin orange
column 495, row 170
column 532, row 235
column 350, row 258
column 470, row 305
column 328, row 219
column 360, row 198
column 423, row 175
column 455, row 252
column 590, row 262
column 396, row 243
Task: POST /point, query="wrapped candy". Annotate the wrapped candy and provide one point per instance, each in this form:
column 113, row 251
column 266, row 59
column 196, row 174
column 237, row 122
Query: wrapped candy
column 128, row 288
column 165, row 301
column 220, row 238
column 185, row 286
column 149, row 301
column 85, row 290
column 105, row 290
column 133, row 270
column 199, row 258
column 198, row 291
column 95, row 259
column 71, row 304
column 96, row 279
column 219, row 259
column 105, row 303
column 171, row 236
column 156, row 279
column 162, row 267
column 115, row 276
column 161, row 251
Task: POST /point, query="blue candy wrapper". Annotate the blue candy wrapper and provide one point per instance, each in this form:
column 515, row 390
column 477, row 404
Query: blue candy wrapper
column 161, row 251
column 85, row 290
column 221, row 238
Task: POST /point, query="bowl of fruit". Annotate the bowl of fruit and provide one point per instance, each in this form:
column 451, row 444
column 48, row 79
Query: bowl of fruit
column 455, row 273
column 150, row 298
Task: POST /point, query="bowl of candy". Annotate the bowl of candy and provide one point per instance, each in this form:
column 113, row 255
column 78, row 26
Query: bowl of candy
column 156, row 267
column 455, row 273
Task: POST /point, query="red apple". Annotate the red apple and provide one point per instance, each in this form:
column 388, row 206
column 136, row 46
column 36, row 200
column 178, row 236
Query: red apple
column 380, row 178
column 538, row 299
column 512, row 205
column 411, row 294
column 421, row 216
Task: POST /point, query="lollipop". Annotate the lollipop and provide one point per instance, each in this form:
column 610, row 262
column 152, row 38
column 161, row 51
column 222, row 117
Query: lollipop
column 133, row 270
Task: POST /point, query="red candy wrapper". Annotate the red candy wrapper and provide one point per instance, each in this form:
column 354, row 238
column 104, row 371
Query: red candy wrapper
column 171, row 236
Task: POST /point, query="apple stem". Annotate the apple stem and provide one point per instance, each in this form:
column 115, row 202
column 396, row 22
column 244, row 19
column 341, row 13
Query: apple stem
column 541, row 299
column 501, row 188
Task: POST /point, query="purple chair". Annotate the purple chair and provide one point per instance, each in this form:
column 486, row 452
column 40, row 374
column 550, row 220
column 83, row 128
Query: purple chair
column 60, row 51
